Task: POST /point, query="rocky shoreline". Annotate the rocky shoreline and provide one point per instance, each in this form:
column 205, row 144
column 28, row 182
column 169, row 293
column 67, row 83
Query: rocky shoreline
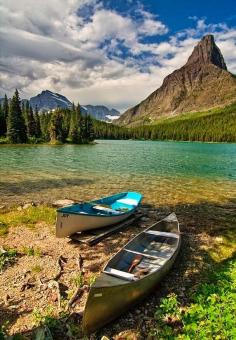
column 27, row 287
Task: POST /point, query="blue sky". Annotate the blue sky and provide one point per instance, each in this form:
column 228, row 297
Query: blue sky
column 105, row 52
column 176, row 13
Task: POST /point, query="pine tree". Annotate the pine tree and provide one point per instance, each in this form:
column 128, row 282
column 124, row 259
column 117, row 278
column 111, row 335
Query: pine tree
column 30, row 123
column 75, row 122
column 66, row 114
column 23, row 108
column 2, row 122
column 26, row 110
column 76, row 125
column 4, row 115
column 37, row 123
column 16, row 130
column 74, row 128
column 89, row 129
column 45, row 119
column 56, row 127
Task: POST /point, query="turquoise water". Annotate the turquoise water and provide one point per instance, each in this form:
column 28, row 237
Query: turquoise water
column 163, row 171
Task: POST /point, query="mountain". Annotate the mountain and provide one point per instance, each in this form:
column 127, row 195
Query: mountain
column 202, row 83
column 48, row 100
column 100, row 112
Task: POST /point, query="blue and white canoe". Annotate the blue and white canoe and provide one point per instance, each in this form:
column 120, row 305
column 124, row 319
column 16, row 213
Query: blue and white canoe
column 96, row 214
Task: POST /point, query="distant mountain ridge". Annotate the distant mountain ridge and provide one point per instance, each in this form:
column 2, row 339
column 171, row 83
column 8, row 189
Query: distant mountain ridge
column 202, row 83
column 48, row 100
column 100, row 112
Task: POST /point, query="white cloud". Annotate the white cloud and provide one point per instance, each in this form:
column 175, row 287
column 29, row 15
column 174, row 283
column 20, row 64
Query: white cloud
column 108, row 25
column 103, row 59
column 150, row 25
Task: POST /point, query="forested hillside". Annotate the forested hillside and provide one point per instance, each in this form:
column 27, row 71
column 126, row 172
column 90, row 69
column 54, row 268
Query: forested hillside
column 216, row 125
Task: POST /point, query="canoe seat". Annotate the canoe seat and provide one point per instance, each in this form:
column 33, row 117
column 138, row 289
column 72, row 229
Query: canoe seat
column 129, row 201
column 140, row 253
column 161, row 233
column 119, row 273
column 159, row 254
column 105, row 209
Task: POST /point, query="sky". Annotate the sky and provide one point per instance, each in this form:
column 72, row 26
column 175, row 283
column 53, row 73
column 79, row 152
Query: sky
column 110, row 52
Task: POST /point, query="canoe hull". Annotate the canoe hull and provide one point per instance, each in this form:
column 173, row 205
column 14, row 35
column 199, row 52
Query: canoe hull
column 107, row 303
column 68, row 224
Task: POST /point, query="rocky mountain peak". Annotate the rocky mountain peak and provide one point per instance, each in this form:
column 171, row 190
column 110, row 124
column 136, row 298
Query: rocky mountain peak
column 206, row 52
column 202, row 83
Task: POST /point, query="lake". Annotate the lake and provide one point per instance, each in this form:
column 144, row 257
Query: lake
column 166, row 173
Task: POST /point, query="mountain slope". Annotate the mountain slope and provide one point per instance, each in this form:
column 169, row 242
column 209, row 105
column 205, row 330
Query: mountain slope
column 202, row 83
column 215, row 125
column 100, row 112
column 48, row 100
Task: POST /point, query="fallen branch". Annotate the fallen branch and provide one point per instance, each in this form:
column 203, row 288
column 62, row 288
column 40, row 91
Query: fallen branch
column 28, row 284
column 80, row 263
column 56, row 284
column 60, row 268
column 77, row 294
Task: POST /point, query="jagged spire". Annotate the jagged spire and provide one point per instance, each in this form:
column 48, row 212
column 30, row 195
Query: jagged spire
column 206, row 52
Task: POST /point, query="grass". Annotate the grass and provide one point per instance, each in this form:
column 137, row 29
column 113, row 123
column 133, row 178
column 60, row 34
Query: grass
column 78, row 280
column 36, row 269
column 7, row 257
column 49, row 318
column 211, row 315
column 46, row 317
column 3, row 228
column 91, row 279
column 31, row 251
column 3, row 140
column 26, row 217
column 3, row 333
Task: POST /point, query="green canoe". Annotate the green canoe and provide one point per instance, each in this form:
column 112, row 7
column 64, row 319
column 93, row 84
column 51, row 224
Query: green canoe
column 132, row 273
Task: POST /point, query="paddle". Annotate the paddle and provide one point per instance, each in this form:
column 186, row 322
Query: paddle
column 141, row 272
column 135, row 262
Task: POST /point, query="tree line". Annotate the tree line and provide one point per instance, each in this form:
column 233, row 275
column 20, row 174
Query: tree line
column 20, row 123
column 216, row 125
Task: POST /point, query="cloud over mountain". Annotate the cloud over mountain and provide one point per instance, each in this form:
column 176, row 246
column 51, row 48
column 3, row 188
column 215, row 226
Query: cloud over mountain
column 95, row 53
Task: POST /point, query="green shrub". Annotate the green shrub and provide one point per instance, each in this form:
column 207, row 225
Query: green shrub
column 45, row 317
column 31, row 251
column 78, row 280
column 211, row 314
column 7, row 257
